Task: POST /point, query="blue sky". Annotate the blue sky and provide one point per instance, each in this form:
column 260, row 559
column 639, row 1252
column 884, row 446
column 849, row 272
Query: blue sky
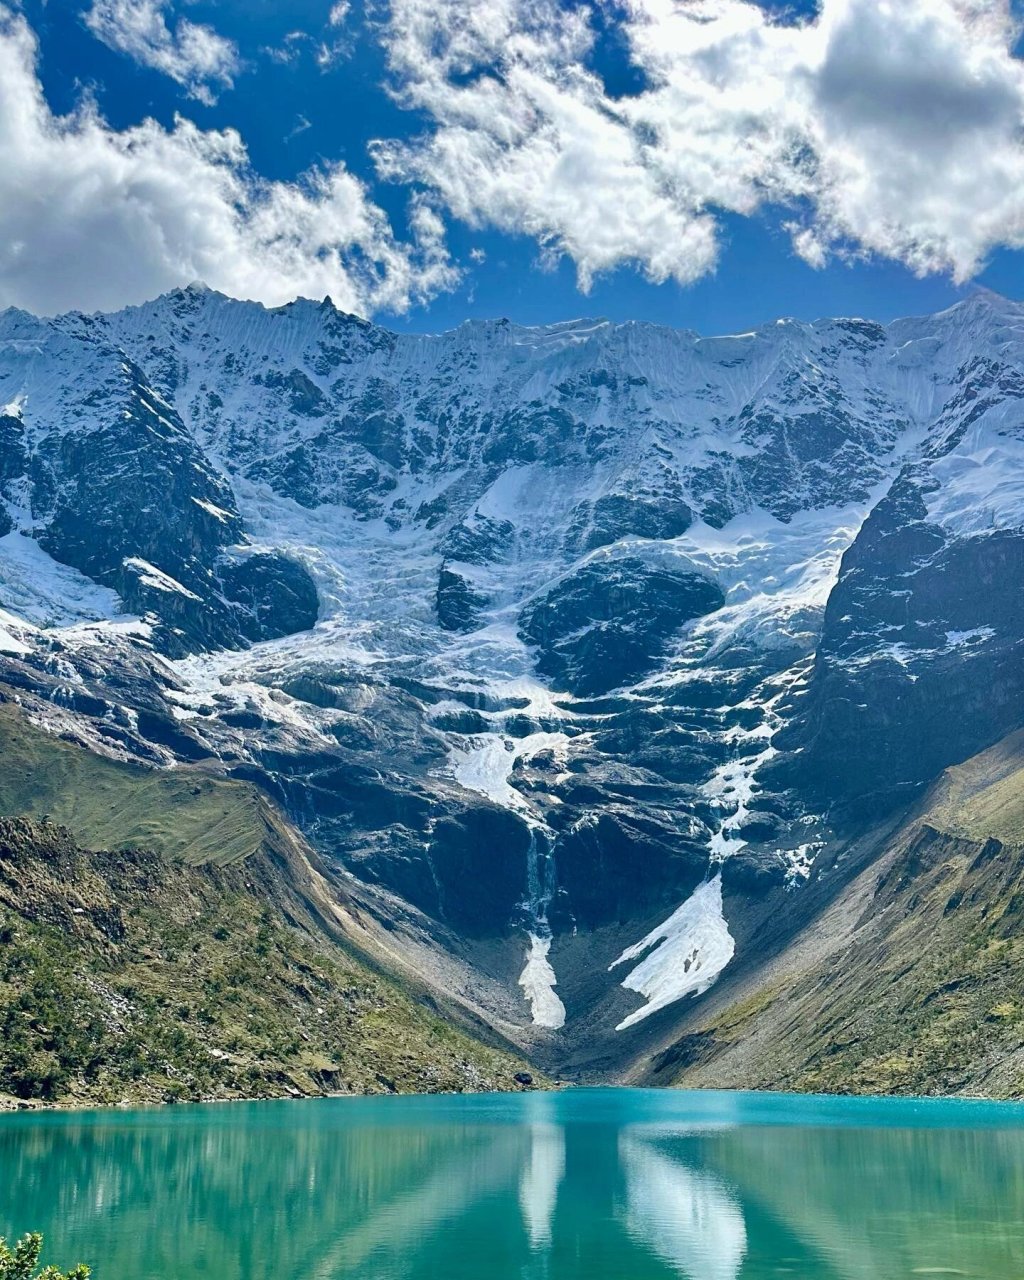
column 306, row 94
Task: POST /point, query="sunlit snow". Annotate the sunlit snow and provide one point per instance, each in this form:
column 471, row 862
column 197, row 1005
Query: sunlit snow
column 685, row 954
column 155, row 578
column 484, row 763
column 538, row 980
column 981, row 486
column 9, row 642
column 681, row 414
column 42, row 591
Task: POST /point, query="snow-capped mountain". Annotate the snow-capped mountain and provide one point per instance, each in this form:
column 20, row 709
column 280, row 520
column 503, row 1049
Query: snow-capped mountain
column 577, row 649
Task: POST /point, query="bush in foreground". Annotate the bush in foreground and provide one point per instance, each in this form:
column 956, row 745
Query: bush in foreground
column 22, row 1262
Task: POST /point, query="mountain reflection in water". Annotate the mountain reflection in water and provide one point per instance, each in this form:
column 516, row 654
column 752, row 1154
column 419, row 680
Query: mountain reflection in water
column 689, row 1217
column 586, row 1185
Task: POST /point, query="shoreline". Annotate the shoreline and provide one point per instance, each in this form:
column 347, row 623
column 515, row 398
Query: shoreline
column 33, row 1107
column 23, row 1106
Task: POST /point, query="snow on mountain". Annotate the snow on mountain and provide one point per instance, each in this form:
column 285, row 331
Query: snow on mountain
column 683, row 956
column 670, row 604
column 538, row 982
column 47, row 593
column 10, row 626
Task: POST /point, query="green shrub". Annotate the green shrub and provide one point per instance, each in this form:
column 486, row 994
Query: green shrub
column 21, row 1263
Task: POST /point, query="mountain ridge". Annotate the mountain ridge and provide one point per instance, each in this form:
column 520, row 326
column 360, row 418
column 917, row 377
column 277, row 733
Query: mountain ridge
column 634, row 608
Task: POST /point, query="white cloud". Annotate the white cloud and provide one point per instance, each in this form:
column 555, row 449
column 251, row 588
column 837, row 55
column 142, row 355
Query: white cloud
column 196, row 56
column 338, row 47
column 300, row 126
column 334, row 46
column 292, row 48
column 890, row 127
column 93, row 217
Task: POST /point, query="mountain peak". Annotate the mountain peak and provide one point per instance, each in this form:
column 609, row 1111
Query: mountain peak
column 985, row 300
column 981, row 293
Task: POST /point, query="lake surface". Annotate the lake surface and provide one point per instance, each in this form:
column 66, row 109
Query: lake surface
column 584, row 1185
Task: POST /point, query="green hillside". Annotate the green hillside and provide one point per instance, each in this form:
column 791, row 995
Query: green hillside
column 194, row 955
column 181, row 812
column 910, row 980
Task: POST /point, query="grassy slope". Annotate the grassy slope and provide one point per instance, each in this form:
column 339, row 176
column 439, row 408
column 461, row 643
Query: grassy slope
column 912, row 981
column 182, row 813
column 984, row 797
column 128, row 975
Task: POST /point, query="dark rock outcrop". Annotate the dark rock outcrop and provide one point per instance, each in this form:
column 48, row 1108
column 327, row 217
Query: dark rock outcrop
column 921, row 658
column 605, row 624
column 458, row 605
column 622, row 515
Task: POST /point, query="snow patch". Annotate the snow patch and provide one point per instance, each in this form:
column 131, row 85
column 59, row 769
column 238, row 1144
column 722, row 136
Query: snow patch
column 981, row 491
column 538, row 981
column 106, row 629
column 151, row 576
column 46, row 593
column 776, row 576
column 733, row 784
column 484, row 764
column 686, row 953
column 960, row 639
column 9, row 642
column 211, row 508
column 485, row 761
column 800, row 861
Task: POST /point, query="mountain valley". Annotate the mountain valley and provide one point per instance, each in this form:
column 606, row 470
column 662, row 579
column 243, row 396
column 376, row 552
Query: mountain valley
column 615, row 680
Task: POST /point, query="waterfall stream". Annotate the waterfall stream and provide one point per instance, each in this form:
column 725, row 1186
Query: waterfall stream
column 538, row 978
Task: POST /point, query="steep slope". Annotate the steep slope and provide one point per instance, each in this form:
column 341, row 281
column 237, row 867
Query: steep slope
column 111, row 483
column 125, row 977
column 909, row 979
column 921, row 658
column 219, row 967
column 185, row 814
column 575, row 651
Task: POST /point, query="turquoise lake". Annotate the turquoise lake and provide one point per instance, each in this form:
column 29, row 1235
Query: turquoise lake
column 598, row 1184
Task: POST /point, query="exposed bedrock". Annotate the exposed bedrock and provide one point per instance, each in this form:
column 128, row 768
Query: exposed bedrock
column 620, row 863
column 615, row 516
column 921, row 658
column 605, row 624
column 459, row 605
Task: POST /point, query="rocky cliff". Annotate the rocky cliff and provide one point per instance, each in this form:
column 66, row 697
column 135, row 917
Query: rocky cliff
column 904, row 975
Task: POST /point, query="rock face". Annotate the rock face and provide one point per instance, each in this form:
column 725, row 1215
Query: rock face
column 614, row 516
column 532, row 631
column 606, row 624
column 921, row 657
column 13, row 464
column 459, row 607
column 892, row 664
